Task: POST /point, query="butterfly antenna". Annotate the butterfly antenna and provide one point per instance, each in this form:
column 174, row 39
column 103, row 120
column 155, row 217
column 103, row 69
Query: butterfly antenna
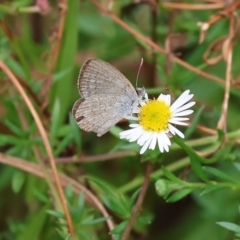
column 141, row 63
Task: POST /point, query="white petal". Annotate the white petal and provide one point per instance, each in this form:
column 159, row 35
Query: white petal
column 130, row 117
column 160, row 142
column 166, row 142
column 178, row 122
column 180, row 99
column 134, row 125
column 166, row 147
column 154, row 141
column 179, row 119
column 166, row 139
column 146, row 96
column 136, row 110
column 184, row 113
column 143, row 138
column 184, row 97
column 146, row 145
column 168, row 99
column 161, row 97
column 127, row 133
column 136, row 136
column 186, row 106
column 175, row 131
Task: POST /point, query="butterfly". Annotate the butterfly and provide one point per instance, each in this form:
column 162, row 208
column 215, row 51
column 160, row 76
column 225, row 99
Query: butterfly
column 107, row 97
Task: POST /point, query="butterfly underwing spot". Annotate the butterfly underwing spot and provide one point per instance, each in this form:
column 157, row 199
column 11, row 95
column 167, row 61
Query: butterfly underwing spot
column 75, row 108
column 78, row 119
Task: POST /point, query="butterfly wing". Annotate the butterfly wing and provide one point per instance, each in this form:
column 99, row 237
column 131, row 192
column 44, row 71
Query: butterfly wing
column 99, row 77
column 100, row 112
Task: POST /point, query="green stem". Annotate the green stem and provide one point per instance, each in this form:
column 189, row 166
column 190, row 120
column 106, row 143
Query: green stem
column 138, row 181
column 14, row 10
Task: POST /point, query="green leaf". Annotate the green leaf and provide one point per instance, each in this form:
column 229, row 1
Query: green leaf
column 194, row 159
column 35, row 224
column 63, row 88
column 116, row 202
column 77, row 134
column 237, row 166
column 164, row 187
column 79, row 211
column 219, row 174
column 56, row 214
column 116, row 205
column 171, row 176
column 194, row 123
column 119, row 228
column 61, row 146
column 83, row 235
column 62, row 74
column 81, row 200
column 14, row 128
column 69, row 191
column 91, row 221
column 8, row 139
column 17, row 181
column 179, row 195
column 19, row 68
column 221, row 134
column 20, row 3
column 230, row 226
column 115, row 131
column 54, row 126
column 211, row 188
column 145, row 220
column 134, row 196
column 40, row 196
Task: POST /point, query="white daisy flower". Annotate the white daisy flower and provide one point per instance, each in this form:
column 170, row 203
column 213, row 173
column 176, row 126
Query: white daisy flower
column 156, row 121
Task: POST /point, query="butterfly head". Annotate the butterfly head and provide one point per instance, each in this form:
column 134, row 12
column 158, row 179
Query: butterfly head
column 141, row 92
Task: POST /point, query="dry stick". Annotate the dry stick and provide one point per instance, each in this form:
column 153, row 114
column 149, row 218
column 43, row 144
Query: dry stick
column 152, row 68
column 36, row 170
column 207, row 130
column 185, row 6
column 52, row 61
column 139, row 201
column 63, row 9
column 222, row 123
column 223, row 14
column 96, row 158
column 45, row 141
column 156, row 46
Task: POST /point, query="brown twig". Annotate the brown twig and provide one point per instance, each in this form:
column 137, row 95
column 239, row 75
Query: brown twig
column 154, row 45
column 185, row 6
column 63, row 11
column 222, row 123
column 44, row 136
column 207, row 130
column 55, row 51
column 95, row 158
column 219, row 16
column 36, row 170
column 139, row 201
column 152, row 66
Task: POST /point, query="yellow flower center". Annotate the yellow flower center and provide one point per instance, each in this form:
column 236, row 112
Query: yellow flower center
column 154, row 116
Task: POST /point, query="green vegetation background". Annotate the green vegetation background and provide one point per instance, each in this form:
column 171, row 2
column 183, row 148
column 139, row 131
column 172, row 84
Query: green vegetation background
column 25, row 199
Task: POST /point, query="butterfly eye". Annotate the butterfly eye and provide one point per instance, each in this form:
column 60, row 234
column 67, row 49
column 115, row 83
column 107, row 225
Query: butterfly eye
column 141, row 91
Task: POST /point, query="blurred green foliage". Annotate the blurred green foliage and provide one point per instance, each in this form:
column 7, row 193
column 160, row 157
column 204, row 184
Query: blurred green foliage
column 189, row 197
